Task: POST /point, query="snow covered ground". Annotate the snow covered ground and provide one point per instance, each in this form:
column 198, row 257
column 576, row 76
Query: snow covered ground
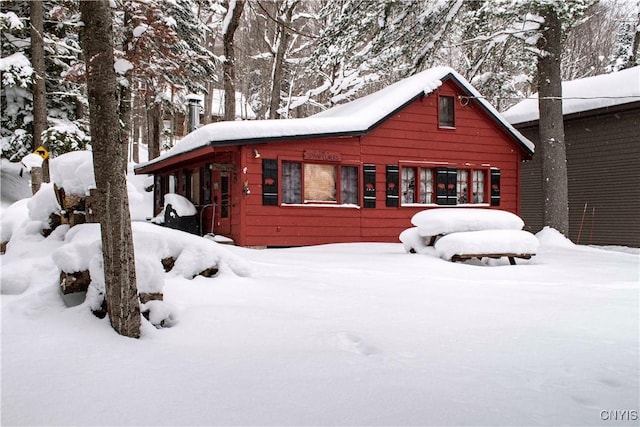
column 344, row 334
column 350, row 334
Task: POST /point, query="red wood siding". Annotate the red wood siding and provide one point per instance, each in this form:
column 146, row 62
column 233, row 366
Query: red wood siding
column 409, row 138
column 411, row 135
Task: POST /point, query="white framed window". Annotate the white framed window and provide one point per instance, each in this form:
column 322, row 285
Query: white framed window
column 426, row 186
column 408, row 185
column 462, row 187
column 477, row 186
column 417, row 185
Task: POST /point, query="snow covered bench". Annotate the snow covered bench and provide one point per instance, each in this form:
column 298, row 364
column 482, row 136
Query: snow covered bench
column 459, row 234
column 434, row 223
column 487, row 244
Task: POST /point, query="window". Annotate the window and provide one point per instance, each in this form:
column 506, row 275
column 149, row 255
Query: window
column 205, row 185
column 417, row 185
column 426, row 186
column 319, row 183
column 224, row 195
column 173, row 183
column 477, row 186
column 462, row 187
column 349, row 185
column 470, row 186
column 291, row 182
column 194, row 187
column 311, row 183
column 445, row 186
column 446, row 114
column 408, row 185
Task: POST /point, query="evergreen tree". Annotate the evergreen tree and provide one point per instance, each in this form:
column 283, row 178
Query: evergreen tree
column 65, row 128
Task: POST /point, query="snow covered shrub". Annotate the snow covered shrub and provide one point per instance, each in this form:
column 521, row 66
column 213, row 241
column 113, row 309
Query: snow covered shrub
column 17, row 77
column 65, row 136
column 15, row 146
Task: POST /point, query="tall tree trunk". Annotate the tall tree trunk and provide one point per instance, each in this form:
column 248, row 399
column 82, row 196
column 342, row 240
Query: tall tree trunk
column 208, row 104
column 551, row 131
column 125, row 90
column 153, row 118
column 36, row 15
column 276, row 74
column 278, row 62
column 135, row 148
column 208, row 97
column 228, row 67
column 109, row 164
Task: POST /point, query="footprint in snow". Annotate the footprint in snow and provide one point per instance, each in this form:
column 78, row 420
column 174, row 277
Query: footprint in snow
column 352, row 343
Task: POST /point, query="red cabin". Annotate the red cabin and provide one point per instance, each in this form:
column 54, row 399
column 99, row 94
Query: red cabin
column 354, row 173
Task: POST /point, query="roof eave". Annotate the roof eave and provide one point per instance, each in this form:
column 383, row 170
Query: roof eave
column 518, row 138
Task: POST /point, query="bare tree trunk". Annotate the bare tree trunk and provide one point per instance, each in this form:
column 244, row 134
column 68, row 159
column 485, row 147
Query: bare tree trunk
column 554, row 158
column 154, row 119
column 282, row 39
column 109, row 164
column 36, row 15
column 135, row 148
column 208, row 97
column 208, row 104
column 635, row 48
column 228, row 67
column 125, row 90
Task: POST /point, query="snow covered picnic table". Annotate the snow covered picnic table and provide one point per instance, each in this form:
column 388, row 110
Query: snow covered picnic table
column 460, row 234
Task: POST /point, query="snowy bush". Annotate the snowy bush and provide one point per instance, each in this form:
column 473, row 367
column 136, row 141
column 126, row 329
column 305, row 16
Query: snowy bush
column 64, row 136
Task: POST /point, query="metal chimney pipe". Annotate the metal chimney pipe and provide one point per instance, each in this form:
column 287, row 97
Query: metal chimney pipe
column 193, row 112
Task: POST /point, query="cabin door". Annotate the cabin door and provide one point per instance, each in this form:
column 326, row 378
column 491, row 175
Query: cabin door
column 221, row 203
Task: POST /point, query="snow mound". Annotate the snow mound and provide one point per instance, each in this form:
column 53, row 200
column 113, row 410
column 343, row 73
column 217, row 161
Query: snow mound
column 74, row 172
column 180, row 205
column 433, row 222
column 412, row 241
column 161, row 313
column 43, row 204
column 31, row 161
column 487, row 242
column 152, row 244
column 193, row 254
column 551, row 237
column 12, row 218
column 15, row 182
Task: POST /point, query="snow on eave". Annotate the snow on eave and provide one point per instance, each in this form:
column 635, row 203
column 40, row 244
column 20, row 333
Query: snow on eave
column 590, row 93
column 353, row 118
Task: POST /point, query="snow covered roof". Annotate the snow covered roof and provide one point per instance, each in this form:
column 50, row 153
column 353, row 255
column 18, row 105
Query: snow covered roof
column 353, row 118
column 586, row 94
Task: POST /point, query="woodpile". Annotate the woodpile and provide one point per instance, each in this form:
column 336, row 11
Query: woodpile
column 75, row 209
column 74, row 282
